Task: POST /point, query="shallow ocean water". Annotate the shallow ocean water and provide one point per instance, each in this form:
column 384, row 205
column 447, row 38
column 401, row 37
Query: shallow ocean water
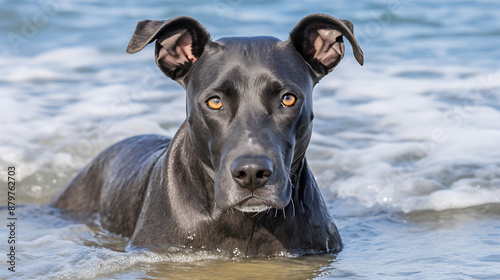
column 405, row 149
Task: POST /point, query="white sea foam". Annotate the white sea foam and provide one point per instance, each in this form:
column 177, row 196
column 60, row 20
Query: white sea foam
column 68, row 104
column 56, row 248
column 420, row 143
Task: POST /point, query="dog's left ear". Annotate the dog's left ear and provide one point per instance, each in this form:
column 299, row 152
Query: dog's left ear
column 179, row 43
column 318, row 38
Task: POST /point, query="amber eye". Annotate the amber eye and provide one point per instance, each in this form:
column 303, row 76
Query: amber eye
column 288, row 100
column 214, row 103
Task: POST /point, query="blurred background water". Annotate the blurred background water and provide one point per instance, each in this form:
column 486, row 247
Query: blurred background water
column 405, row 148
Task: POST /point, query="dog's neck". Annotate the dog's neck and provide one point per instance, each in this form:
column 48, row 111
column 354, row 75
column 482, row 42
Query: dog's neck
column 257, row 232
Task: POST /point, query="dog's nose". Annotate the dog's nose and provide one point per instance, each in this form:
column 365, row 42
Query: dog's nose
column 251, row 171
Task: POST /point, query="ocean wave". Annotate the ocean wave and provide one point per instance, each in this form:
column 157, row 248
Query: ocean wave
column 419, row 143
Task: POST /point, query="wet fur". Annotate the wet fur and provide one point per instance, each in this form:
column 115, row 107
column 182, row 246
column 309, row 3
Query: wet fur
column 164, row 192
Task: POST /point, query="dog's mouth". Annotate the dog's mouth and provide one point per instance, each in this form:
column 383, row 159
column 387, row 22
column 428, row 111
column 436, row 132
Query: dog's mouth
column 252, row 204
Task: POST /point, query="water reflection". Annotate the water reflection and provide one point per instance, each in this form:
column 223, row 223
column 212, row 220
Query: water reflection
column 305, row 267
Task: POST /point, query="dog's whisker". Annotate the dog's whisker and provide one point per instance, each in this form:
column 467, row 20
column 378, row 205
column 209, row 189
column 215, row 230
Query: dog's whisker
column 284, row 214
column 293, row 208
column 276, row 213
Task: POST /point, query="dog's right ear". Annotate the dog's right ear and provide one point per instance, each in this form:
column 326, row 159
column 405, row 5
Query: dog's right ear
column 179, row 43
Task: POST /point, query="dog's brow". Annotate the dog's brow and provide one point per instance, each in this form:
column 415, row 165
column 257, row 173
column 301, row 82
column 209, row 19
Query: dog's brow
column 271, row 83
column 268, row 82
column 228, row 87
column 228, row 83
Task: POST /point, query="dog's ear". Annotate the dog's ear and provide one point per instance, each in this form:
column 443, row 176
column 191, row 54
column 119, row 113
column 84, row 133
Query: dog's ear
column 318, row 38
column 179, row 43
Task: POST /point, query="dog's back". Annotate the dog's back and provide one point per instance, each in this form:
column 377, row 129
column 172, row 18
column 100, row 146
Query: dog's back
column 113, row 184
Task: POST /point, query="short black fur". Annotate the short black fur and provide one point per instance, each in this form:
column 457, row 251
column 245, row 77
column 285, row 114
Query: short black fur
column 188, row 191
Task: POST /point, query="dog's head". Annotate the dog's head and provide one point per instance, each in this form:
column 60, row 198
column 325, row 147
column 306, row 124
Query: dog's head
column 249, row 100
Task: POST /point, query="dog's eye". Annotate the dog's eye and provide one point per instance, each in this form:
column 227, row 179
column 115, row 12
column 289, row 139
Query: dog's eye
column 214, row 103
column 288, row 100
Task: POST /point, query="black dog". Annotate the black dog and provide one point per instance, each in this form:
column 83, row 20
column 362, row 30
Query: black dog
column 235, row 174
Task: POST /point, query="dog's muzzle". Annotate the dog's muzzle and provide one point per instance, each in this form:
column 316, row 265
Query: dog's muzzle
column 252, row 172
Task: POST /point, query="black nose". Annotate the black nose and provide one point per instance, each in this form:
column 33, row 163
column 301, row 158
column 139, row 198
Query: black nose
column 252, row 171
